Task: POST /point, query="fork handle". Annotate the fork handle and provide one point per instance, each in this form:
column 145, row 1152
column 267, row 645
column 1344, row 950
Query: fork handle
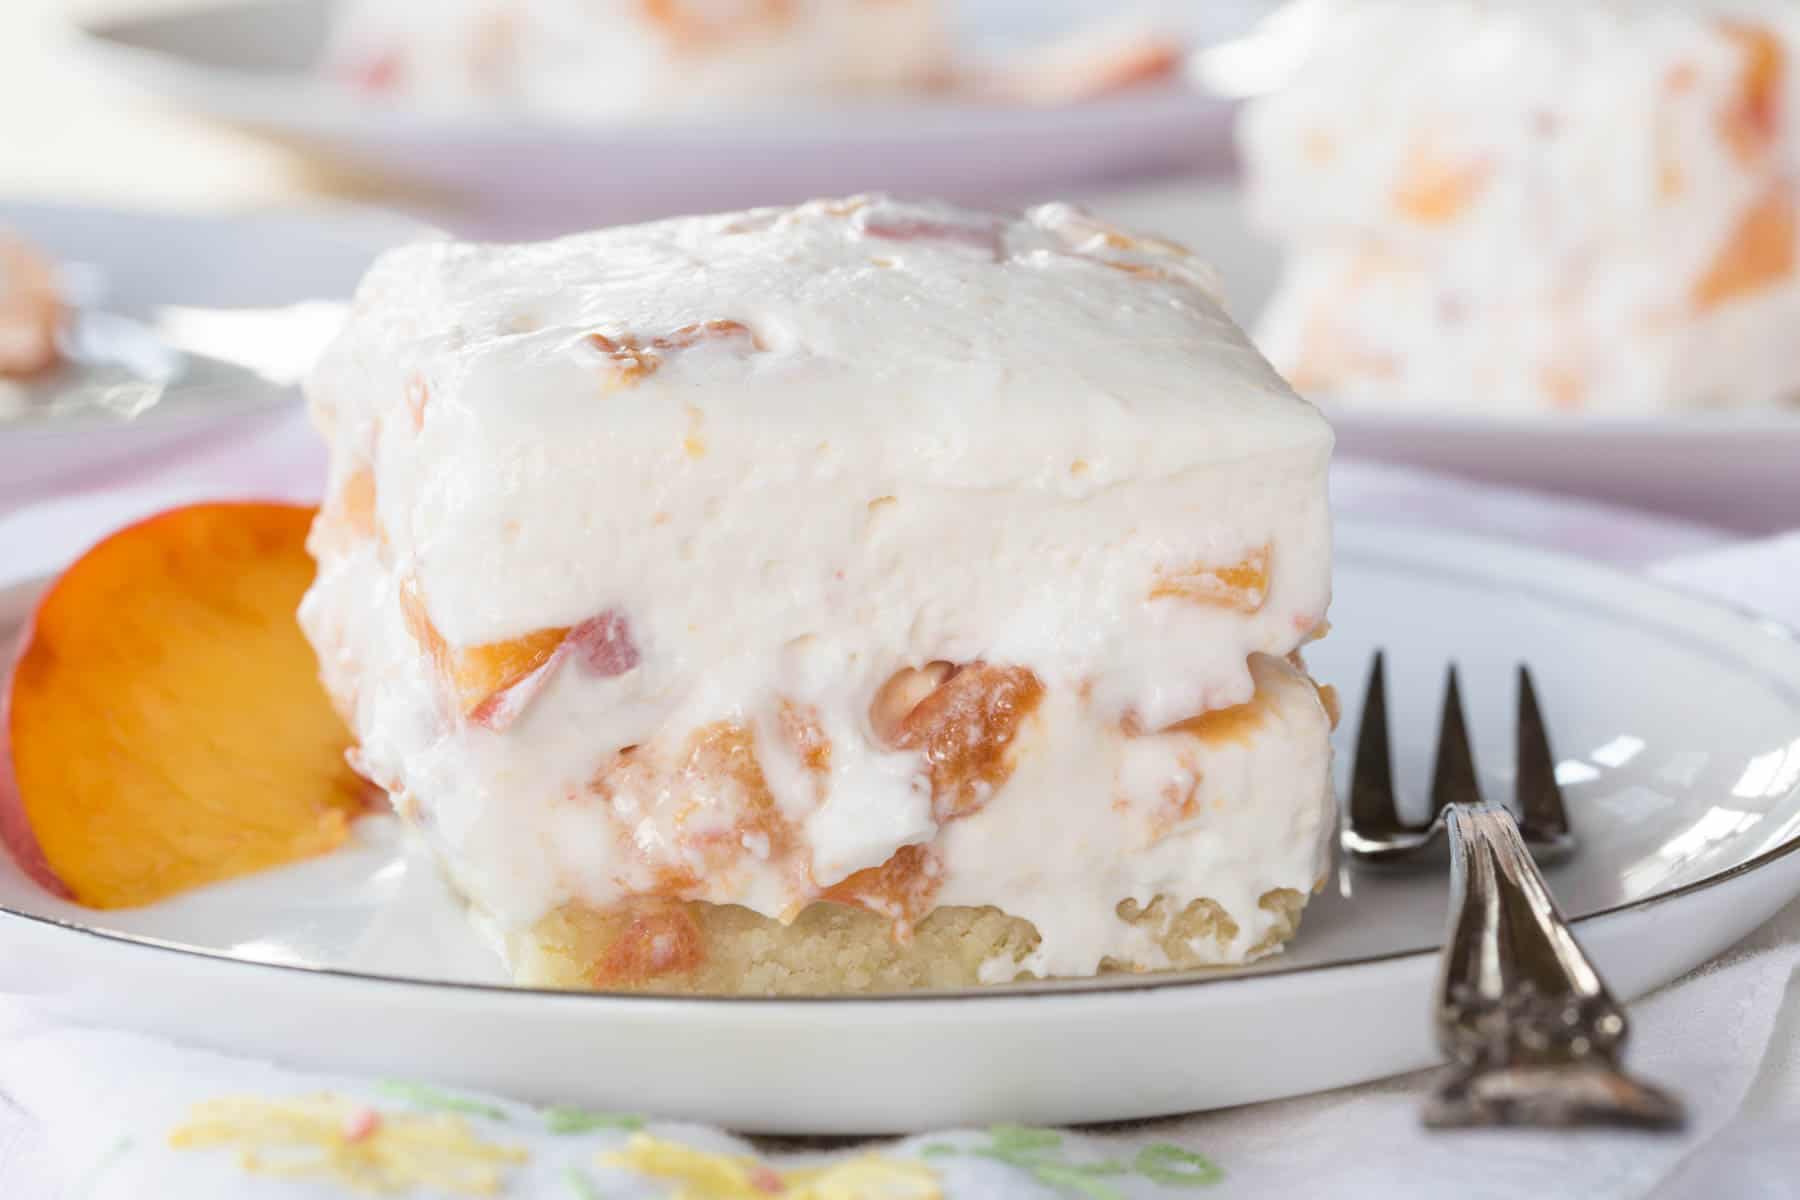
column 1531, row 1031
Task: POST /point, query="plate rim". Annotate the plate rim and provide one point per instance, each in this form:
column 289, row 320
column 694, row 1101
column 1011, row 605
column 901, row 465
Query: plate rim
column 19, row 596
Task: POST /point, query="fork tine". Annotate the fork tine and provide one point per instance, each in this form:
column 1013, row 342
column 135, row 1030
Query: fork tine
column 1372, row 809
column 1542, row 818
column 1453, row 777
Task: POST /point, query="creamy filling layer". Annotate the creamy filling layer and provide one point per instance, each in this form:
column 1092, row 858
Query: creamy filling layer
column 977, row 784
column 856, row 551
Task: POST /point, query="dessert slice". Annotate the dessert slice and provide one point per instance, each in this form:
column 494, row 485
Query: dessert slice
column 1578, row 207
column 605, row 58
column 857, row 596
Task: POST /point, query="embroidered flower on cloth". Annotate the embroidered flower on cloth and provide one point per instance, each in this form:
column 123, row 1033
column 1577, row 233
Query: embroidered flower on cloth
column 358, row 1147
column 704, row 1176
column 436, row 1141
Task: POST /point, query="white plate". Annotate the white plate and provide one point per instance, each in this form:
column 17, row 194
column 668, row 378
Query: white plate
column 1679, row 726
column 1737, row 471
column 237, row 304
column 254, row 65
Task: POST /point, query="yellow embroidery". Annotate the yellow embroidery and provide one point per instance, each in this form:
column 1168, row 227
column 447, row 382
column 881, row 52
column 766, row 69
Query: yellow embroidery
column 704, row 1176
column 350, row 1144
column 869, row 1177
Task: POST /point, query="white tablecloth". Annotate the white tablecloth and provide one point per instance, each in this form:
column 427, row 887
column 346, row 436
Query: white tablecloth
column 94, row 1108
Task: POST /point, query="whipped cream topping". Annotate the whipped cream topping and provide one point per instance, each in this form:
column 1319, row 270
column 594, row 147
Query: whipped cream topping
column 579, row 59
column 1583, row 206
column 776, row 459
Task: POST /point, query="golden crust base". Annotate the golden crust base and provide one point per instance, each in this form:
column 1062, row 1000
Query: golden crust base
column 698, row 948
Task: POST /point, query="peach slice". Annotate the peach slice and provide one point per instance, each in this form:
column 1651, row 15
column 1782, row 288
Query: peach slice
column 165, row 726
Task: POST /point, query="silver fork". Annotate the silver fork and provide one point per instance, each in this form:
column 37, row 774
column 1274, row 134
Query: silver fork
column 1532, row 1034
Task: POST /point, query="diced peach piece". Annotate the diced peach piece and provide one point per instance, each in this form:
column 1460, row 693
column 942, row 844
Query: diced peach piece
column 1328, row 695
column 717, row 768
column 727, row 751
column 603, row 644
column 902, row 888
column 348, row 516
column 356, row 502
column 1748, row 125
column 966, row 728
column 31, row 312
column 632, row 358
column 1328, row 700
column 800, row 723
column 504, row 675
column 1243, row 586
column 659, row 938
column 1238, row 723
column 491, row 684
column 418, row 395
column 165, row 726
column 713, row 24
column 1759, row 253
column 1434, row 189
column 902, row 692
column 702, row 332
column 1178, row 803
column 1564, row 385
column 628, row 359
column 881, row 222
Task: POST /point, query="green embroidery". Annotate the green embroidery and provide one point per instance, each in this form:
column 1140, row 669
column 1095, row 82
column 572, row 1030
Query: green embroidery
column 1082, row 1180
column 580, row 1120
column 1040, row 1152
column 1172, row 1166
column 421, row 1095
column 1020, row 1139
column 580, row 1186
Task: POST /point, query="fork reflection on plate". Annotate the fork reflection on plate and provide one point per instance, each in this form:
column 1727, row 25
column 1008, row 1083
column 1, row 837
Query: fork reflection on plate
column 1532, row 1034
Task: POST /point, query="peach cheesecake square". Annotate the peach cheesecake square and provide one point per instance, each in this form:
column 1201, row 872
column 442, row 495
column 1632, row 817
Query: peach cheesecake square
column 858, row 596
column 1578, row 207
column 583, row 60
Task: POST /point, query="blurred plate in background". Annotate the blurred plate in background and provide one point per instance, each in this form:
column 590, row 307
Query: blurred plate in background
column 1736, row 470
column 185, row 327
column 255, row 65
